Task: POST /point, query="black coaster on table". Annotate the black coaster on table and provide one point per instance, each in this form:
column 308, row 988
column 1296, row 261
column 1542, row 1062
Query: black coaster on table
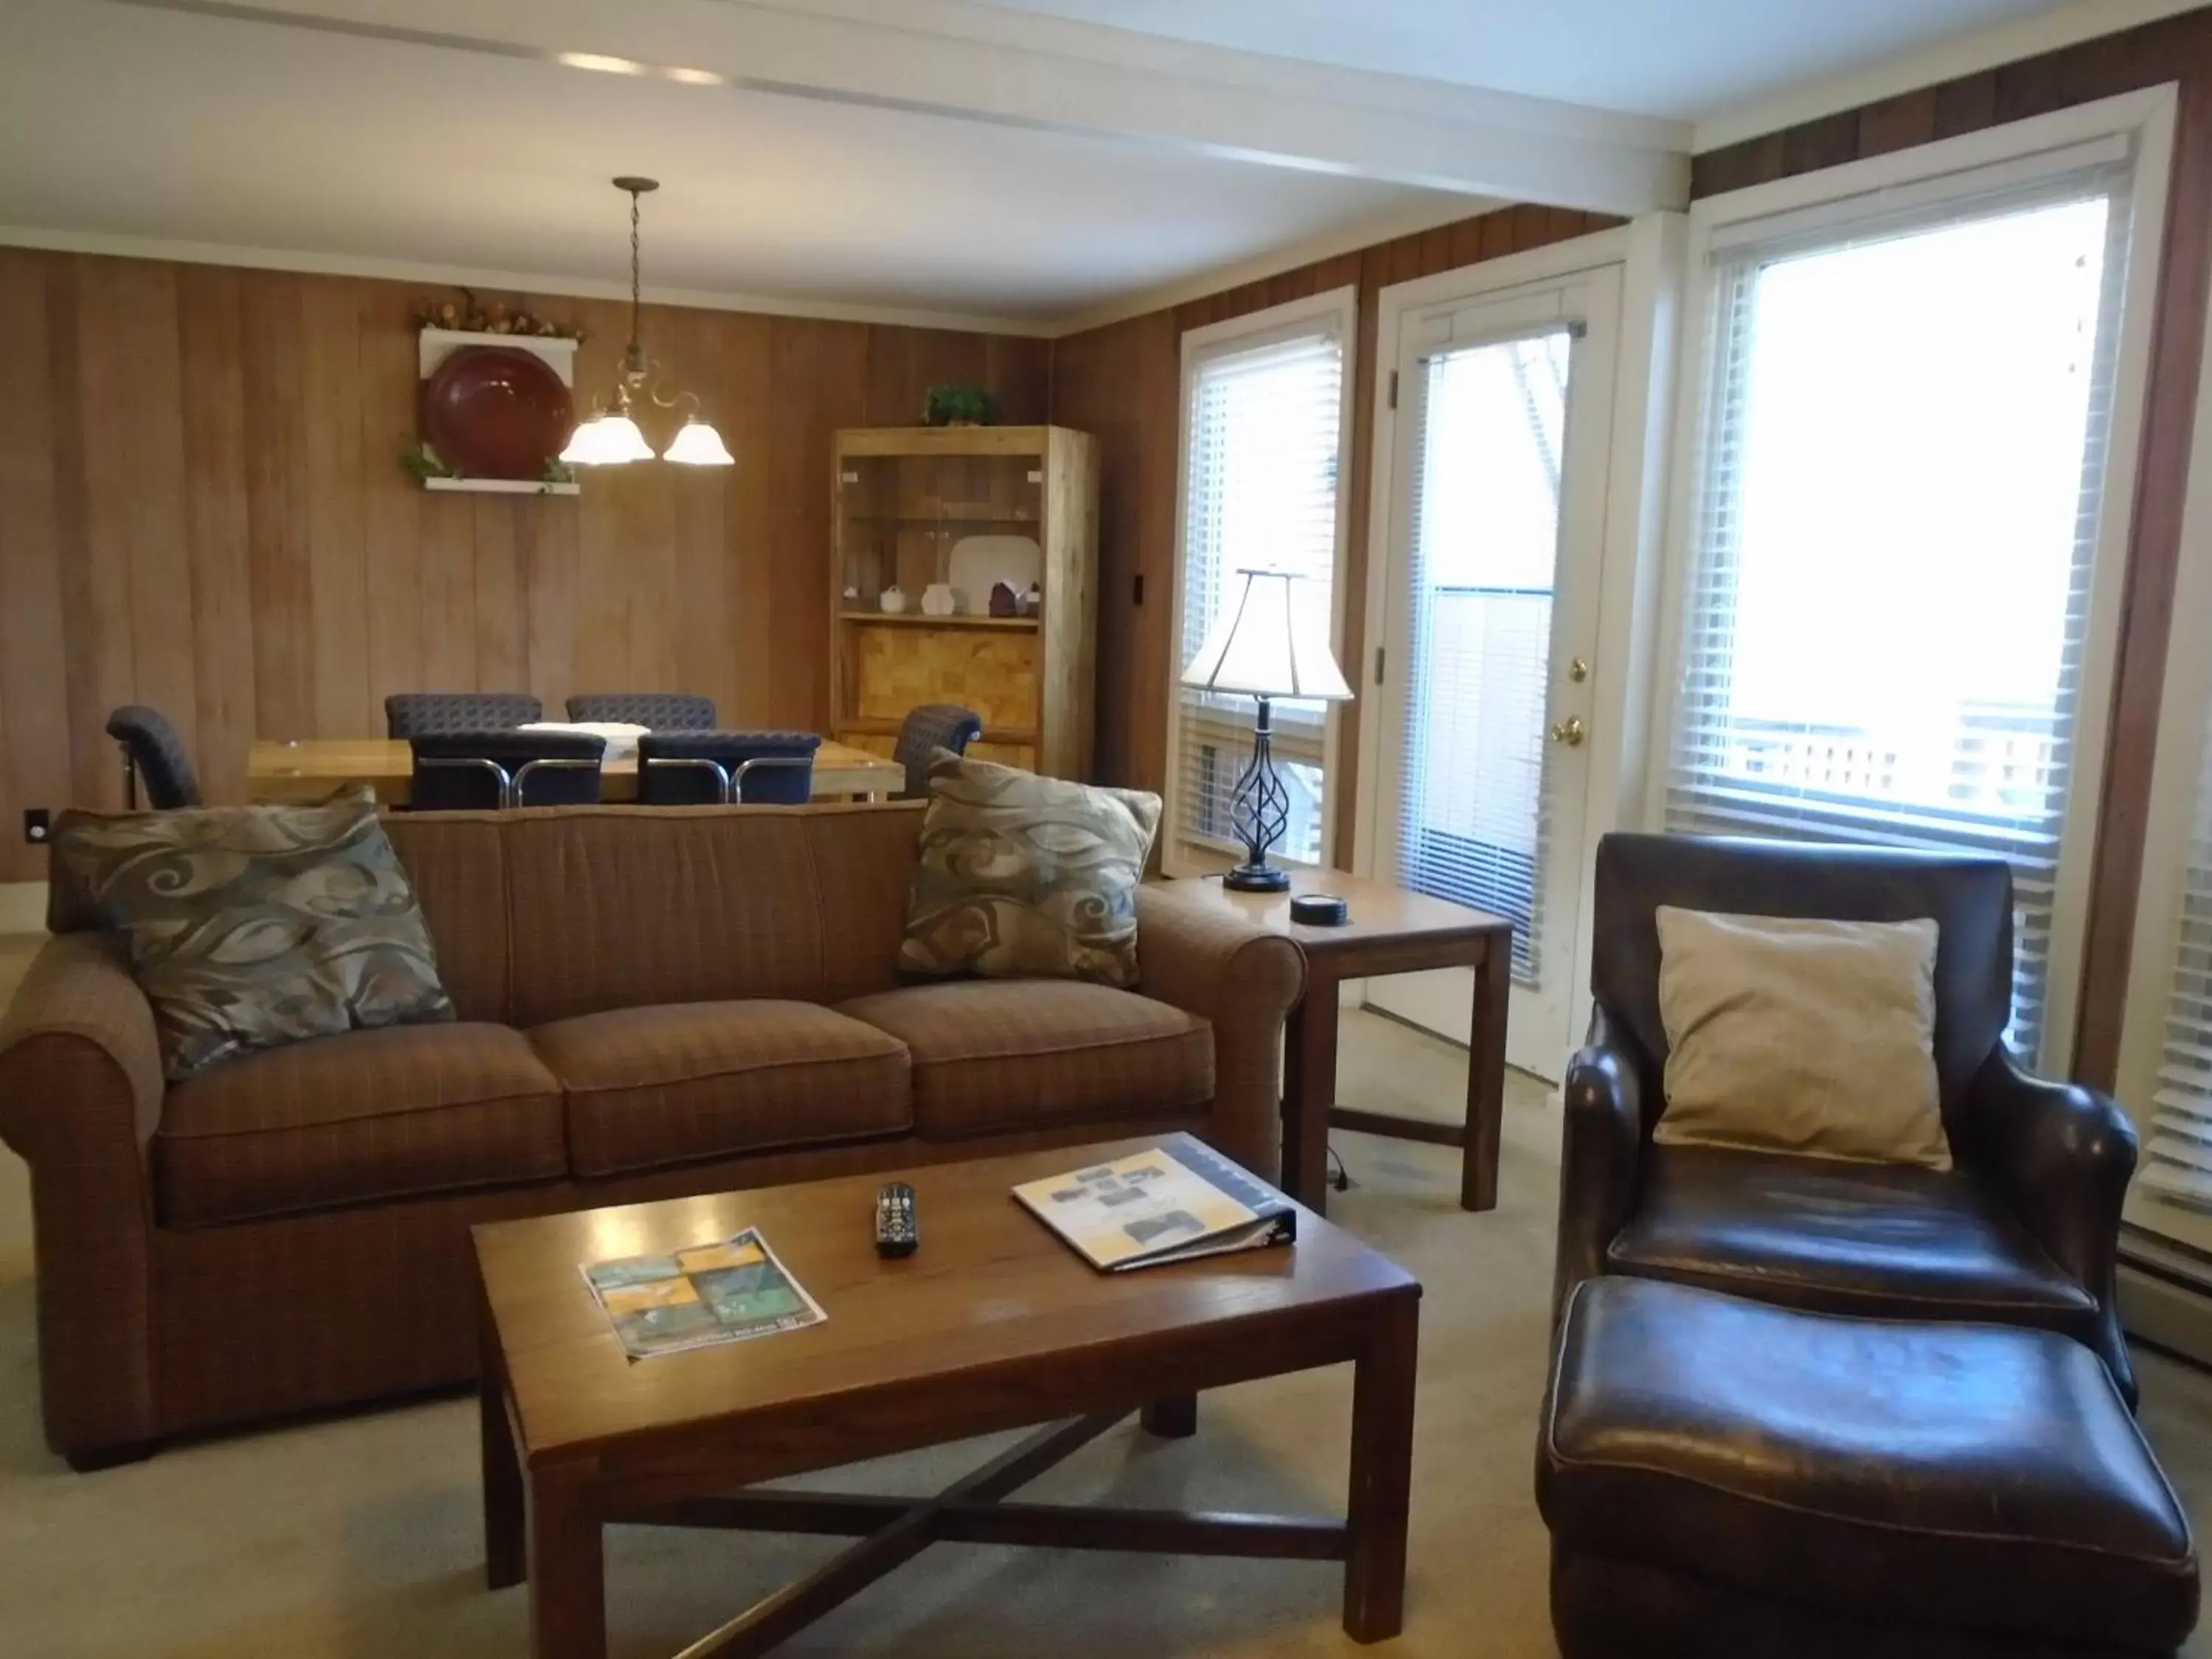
column 1320, row 910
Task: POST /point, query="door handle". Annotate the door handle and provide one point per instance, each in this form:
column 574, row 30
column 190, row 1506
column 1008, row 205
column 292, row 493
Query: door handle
column 1570, row 731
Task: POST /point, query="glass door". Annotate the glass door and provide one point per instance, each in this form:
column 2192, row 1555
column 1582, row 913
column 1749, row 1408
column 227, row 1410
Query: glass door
column 1489, row 625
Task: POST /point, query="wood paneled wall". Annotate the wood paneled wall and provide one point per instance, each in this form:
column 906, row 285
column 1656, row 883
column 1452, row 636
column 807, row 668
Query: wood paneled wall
column 1122, row 382
column 202, row 507
column 2174, row 49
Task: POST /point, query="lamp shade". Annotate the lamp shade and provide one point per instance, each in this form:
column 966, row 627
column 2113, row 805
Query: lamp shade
column 1271, row 640
column 607, row 441
column 698, row 444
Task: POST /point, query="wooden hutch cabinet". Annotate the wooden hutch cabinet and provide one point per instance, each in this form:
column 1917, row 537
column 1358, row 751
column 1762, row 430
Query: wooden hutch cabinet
column 942, row 514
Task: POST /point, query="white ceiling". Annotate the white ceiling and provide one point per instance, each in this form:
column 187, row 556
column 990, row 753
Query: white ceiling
column 1684, row 59
column 212, row 131
column 1017, row 161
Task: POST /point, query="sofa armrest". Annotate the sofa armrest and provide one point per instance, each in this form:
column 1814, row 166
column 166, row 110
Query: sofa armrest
column 1603, row 1154
column 1244, row 980
column 81, row 1091
column 2062, row 1155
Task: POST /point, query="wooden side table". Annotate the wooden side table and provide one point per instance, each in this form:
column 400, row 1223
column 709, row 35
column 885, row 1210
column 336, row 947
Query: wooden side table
column 1390, row 931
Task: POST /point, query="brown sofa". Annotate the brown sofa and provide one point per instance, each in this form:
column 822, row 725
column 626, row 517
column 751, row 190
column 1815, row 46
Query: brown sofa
column 652, row 1003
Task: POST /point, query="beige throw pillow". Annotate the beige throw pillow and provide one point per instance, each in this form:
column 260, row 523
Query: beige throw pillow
column 1026, row 877
column 1798, row 1035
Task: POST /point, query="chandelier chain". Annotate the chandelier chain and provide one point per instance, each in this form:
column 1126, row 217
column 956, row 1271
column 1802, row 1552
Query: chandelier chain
column 634, row 290
column 610, row 436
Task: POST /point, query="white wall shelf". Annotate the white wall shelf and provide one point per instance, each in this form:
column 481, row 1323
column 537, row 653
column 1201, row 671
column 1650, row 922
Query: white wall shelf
column 502, row 486
column 434, row 345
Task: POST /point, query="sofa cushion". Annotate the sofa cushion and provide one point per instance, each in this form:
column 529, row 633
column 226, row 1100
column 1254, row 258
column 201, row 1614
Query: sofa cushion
column 991, row 1054
column 669, row 1085
column 1916, row 1476
column 1887, row 1240
column 458, row 863
column 612, row 908
column 348, row 1119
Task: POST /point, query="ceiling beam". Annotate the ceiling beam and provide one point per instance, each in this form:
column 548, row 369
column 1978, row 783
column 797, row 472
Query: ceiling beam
column 961, row 62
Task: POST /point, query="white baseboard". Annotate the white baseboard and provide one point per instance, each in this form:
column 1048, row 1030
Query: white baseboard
column 22, row 907
column 2165, row 1313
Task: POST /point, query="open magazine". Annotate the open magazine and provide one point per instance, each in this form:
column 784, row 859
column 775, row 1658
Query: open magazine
column 694, row 1297
column 1166, row 1204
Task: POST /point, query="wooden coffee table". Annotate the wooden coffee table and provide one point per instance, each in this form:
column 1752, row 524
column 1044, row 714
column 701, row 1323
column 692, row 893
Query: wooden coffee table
column 994, row 1324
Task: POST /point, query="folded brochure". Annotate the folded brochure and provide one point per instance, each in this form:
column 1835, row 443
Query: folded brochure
column 1165, row 1204
column 699, row 1296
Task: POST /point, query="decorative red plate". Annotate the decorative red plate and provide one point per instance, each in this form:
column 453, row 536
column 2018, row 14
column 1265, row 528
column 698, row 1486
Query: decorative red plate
column 495, row 412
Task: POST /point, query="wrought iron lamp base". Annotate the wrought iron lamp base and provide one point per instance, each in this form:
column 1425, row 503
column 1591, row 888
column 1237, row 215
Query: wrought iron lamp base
column 1257, row 878
column 1260, row 808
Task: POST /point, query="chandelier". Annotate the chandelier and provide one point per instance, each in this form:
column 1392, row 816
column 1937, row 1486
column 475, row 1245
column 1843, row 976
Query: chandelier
column 610, row 436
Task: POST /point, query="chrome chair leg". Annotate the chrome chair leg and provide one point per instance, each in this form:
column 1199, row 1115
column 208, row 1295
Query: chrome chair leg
column 516, row 789
column 736, row 792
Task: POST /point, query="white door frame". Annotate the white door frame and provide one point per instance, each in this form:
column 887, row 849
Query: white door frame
column 1587, row 304
column 1648, row 255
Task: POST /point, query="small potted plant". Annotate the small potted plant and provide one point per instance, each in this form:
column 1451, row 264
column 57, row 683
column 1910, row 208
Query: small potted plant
column 958, row 404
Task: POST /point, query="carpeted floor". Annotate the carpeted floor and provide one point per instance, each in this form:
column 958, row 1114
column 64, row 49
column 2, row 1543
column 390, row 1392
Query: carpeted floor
column 358, row 1536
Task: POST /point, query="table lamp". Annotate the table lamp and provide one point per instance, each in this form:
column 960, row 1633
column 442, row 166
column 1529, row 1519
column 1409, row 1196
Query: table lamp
column 1269, row 641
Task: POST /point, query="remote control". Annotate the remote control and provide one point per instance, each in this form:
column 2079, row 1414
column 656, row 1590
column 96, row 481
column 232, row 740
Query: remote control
column 897, row 1231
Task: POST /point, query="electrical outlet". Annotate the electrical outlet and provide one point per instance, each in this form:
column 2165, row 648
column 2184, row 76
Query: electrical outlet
column 38, row 825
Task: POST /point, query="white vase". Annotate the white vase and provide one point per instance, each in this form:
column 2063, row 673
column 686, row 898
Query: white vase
column 941, row 600
column 892, row 601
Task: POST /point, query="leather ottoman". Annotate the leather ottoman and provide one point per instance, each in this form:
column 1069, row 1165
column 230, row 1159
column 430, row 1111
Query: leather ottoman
column 1723, row 1477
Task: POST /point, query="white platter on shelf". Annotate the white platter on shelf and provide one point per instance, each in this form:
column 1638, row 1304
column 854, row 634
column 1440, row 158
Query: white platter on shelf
column 976, row 562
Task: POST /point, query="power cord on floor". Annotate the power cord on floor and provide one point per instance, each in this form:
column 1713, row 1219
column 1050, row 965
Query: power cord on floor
column 1341, row 1176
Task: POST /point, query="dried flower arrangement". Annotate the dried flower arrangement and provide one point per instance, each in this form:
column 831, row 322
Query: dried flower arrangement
column 468, row 314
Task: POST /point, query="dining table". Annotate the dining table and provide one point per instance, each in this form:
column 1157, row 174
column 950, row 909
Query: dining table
column 309, row 768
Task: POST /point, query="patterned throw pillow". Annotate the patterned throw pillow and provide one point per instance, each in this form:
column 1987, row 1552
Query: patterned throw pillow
column 253, row 927
column 1026, row 877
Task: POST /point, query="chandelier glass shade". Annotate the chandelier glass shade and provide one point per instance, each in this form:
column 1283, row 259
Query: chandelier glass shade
column 698, row 444
column 610, row 435
column 607, row 440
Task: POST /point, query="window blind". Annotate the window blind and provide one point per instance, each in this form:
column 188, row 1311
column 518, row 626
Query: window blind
column 1261, row 490
column 1893, row 534
column 1473, row 805
column 2178, row 1160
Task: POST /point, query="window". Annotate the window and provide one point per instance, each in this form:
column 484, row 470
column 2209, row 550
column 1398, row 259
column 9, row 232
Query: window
column 1264, row 433
column 1897, row 522
column 2165, row 1042
column 2177, row 1164
column 1483, row 554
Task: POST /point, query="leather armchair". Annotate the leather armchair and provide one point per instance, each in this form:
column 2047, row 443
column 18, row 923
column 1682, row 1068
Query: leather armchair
column 2024, row 1230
